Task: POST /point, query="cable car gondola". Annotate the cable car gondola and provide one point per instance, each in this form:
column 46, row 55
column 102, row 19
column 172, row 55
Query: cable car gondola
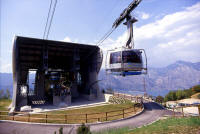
column 126, row 62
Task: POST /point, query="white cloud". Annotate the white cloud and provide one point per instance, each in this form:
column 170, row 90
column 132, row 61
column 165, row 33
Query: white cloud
column 145, row 16
column 67, row 39
column 142, row 15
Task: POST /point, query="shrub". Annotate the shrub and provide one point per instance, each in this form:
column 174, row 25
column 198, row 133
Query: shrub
column 159, row 99
column 171, row 96
column 198, row 96
column 83, row 129
column 61, row 130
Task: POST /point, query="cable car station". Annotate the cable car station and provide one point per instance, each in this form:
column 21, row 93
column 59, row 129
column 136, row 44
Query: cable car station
column 64, row 71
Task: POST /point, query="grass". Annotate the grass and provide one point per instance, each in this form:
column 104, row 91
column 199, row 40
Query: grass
column 4, row 103
column 186, row 125
column 94, row 114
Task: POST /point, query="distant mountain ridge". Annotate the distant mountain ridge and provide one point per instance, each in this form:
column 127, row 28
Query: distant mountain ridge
column 159, row 81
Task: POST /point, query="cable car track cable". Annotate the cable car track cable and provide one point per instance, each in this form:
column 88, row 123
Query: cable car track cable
column 47, row 20
column 51, row 19
column 48, row 23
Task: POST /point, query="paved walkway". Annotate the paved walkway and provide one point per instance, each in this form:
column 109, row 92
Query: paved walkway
column 151, row 113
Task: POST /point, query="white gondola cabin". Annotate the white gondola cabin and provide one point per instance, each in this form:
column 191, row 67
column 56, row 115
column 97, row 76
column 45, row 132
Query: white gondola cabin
column 126, row 62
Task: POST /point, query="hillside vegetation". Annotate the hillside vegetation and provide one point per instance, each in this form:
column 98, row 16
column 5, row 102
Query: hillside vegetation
column 183, row 94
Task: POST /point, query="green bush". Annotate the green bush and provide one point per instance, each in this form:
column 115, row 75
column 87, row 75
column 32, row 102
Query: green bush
column 171, row 96
column 198, row 96
column 83, row 129
column 61, row 130
column 159, row 99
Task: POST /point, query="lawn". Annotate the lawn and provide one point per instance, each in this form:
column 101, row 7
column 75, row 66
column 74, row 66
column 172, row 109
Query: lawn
column 94, row 114
column 185, row 125
column 4, row 103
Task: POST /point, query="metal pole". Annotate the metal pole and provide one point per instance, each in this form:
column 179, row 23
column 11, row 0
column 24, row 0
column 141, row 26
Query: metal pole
column 28, row 117
column 123, row 113
column 65, row 118
column 182, row 112
column 46, row 117
column 86, row 118
column 106, row 116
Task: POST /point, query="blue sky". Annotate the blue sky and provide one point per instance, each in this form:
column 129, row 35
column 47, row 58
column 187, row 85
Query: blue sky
column 169, row 30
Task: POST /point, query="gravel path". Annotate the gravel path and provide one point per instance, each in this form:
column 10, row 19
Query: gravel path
column 151, row 113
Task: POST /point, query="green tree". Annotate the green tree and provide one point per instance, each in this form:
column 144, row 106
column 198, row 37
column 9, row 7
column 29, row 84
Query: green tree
column 196, row 89
column 159, row 99
column 188, row 93
column 180, row 94
column 198, row 96
column 171, row 96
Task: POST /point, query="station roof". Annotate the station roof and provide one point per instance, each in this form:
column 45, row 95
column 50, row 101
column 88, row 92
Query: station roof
column 30, row 52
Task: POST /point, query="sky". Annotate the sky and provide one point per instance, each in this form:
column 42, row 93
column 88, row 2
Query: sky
column 169, row 30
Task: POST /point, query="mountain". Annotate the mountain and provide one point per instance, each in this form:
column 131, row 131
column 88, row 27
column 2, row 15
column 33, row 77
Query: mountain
column 159, row 81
